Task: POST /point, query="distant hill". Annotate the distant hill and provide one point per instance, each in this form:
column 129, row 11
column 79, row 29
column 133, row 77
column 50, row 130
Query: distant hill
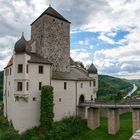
column 136, row 81
column 1, row 84
column 110, row 87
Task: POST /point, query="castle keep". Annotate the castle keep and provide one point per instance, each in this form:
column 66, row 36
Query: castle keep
column 45, row 60
column 51, row 34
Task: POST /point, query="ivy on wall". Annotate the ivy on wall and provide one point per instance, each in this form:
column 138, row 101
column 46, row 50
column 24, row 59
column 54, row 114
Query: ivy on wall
column 46, row 107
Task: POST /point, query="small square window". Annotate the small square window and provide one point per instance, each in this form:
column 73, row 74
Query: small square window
column 40, row 85
column 34, row 98
column 20, row 68
column 65, row 85
column 40, row 69
column 19, row 86
column 59, row 99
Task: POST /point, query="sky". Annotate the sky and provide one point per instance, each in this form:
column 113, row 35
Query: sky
column 105, row 32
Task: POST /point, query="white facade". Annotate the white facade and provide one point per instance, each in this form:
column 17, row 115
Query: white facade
column 21, row 94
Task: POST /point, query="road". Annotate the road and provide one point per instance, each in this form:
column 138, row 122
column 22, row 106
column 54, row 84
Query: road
column 131, row 92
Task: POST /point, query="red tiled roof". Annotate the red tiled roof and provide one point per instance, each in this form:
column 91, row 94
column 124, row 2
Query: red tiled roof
column 10, row 62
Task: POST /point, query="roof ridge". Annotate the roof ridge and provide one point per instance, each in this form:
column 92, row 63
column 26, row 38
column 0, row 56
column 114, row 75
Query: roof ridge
column 52, row 12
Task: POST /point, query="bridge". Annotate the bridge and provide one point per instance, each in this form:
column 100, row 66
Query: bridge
column 93, row 114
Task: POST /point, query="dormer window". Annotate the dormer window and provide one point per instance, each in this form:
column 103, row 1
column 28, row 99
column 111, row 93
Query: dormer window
column 20, row 68
column 40, row 69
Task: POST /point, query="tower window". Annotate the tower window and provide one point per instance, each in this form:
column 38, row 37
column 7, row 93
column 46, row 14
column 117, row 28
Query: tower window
column 40, row 85
column 94, row 82
column 27, row 69
column 53, row 20
column 81, row 85
column 19, row 86
column 27, row 86
column 40, row 69
column 65, row 85
column 20, row 68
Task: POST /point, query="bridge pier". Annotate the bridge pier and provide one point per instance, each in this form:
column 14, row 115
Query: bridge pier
column 113, row 120
column 136, row 119
column 93, row 120
column 82, row 112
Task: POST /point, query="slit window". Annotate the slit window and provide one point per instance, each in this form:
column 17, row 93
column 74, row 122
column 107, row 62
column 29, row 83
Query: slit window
column 27, row 86
column 94, row 82
column 40, row 85
column 81, row 85
column 27, row 68
column 10, row 71
column 65, row 85
column 90, row 83
column 20, row 68
column 19, row 86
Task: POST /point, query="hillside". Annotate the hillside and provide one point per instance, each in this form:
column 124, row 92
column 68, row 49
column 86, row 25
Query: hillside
column 1, row 84
column 111, row 88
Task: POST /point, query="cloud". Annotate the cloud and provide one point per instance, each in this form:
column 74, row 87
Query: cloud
column 6, row 49
column 115, row 61
column 87, row 42
column 103, row 16
column 106, row 39
column 81, row 55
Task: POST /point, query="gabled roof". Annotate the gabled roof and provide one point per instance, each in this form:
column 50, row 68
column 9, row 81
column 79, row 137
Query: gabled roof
column 38, row 59
column 52, row 12
column 92, row 69
column 75, row 74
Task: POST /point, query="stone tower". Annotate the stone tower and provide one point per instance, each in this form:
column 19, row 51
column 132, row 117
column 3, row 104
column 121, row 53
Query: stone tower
column 51, row 34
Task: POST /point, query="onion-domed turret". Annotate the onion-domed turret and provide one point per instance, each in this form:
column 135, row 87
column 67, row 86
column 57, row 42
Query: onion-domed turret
column 22, row 46
column 92, row 69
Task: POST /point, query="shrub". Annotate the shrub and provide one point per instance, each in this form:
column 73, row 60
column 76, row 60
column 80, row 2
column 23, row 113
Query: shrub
column 66, row 128
column 46, row 114
column 10, row 134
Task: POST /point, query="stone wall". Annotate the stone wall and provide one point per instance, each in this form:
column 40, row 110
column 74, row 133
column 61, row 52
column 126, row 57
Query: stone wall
column 52, row 37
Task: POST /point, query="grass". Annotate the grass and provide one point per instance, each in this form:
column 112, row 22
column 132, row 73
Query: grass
column 101, row 133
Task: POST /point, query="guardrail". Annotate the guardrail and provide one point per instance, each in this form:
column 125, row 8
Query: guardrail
column 97, row 104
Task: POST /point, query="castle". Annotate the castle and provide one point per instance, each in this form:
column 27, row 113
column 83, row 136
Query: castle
column 45, row 60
